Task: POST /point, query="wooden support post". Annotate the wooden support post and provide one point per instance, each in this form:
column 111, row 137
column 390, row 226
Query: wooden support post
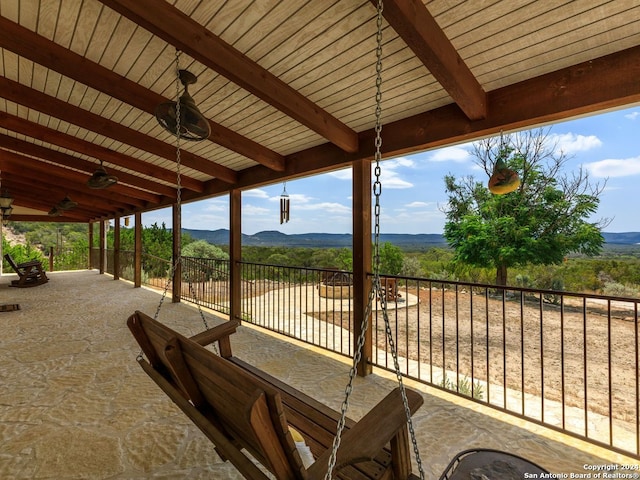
column 116, row 248
column 361, row 185
column 51, row 259
column 90, row 265
column 103, row 250
column 1, row 252
column 177, row 242
column 137, row 251
column 235, row 254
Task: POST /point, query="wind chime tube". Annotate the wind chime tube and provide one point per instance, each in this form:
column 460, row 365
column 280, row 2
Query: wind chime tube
column 284, row 209
column 284, row 205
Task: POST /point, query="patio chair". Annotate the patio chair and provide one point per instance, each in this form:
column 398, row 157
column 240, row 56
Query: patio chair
column 485, row 463
column 389, row 288
column 30, row 274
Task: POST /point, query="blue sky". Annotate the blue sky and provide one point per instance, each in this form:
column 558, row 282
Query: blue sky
column 607, row 145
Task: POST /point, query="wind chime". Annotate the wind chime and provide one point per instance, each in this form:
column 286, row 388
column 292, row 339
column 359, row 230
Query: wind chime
column 284, row 206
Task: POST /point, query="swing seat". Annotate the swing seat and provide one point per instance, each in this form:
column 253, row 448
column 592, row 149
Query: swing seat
column 243, row 409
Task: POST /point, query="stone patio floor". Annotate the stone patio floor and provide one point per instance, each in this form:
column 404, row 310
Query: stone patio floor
column 74, row 404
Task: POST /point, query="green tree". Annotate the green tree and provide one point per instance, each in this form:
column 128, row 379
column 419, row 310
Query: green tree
column 391, row 259
column 540, row 222
column 203, row 249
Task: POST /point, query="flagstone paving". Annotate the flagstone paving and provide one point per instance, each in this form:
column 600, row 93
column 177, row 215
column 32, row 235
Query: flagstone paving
column 74, row 404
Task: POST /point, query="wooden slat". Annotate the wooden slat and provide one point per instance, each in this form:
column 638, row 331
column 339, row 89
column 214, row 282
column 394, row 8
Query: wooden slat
column 414, row 23
column 57, row 157
column 607, row 82
column 59, row 109
column 70, row 180
column 178, row 29
column 53, row 56
column 47, row 135
column 50, row 192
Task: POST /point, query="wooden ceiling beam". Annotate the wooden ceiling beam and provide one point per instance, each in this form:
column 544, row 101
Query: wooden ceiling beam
column 92, row 203
column 76, row 214
column 169, row 23
column 417, row 27
column 48, row 135
column 43, row 51
column 56, row 108
column 600, row 84
column 59, row 158
column 45, row 218
column 41, row 197
column 66, row 178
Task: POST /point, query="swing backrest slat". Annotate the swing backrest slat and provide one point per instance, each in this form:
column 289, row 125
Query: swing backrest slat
column 240, row 406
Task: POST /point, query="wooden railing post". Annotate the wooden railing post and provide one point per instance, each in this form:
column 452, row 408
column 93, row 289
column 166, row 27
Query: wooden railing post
column 103, row 250
column 177, row 273
column 116, row 248
column 361, row 185
column 137, row 251
column 235, row 254
column 90, row 265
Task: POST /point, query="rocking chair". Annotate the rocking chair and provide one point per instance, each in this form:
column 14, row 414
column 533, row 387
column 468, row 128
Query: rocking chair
column 30, row 274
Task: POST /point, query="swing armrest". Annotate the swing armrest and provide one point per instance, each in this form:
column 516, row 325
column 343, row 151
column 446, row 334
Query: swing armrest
column 385, row 423
column 218, row 334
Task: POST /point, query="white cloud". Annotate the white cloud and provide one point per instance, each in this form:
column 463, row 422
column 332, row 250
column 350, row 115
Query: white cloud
column 255, row 193
column 398, row 162
column 342, row 174
column 632, row 115
column 390, row 177
column 614, row 167
column 391, row 180
column 570, row 143
column 215, row 206
column 417, row 205
column 330, row 208
column 254, row 210
column 294, row 198
column 457, row 154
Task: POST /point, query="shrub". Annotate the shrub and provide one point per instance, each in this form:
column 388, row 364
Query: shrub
column 615, row 289
column 464, row 387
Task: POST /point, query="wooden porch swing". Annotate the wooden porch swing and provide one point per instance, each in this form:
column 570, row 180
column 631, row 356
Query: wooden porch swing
column 250, row 415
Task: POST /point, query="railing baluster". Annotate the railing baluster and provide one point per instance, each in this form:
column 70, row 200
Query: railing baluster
column 278, row 298
column 522, row 356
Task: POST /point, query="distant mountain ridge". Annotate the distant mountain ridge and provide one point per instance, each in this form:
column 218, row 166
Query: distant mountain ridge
column 274, row 238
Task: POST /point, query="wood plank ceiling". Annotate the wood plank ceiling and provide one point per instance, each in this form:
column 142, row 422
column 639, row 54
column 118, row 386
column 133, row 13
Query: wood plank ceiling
column 287, row 86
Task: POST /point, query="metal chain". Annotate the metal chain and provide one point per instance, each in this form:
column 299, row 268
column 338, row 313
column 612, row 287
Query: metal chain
column 376, row 287
column 178, row 259
column 174, row 265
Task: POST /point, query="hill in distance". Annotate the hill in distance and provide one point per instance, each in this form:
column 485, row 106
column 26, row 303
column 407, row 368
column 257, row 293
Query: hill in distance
column 273, row 238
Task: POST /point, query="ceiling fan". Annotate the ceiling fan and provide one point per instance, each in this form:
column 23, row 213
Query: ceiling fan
column 101, row 179
column 193, row 125
column 62, row 206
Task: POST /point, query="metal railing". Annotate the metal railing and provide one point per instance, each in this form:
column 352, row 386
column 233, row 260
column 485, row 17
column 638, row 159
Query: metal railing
column 293, row 301
column 205, row 281
column 568, row 361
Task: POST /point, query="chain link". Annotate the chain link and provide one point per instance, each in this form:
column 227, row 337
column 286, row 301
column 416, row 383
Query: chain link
column 376, row 287
column 177, row 261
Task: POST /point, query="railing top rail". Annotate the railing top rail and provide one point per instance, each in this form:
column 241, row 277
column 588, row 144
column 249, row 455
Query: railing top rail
column 513, row 288
column 313, row 269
